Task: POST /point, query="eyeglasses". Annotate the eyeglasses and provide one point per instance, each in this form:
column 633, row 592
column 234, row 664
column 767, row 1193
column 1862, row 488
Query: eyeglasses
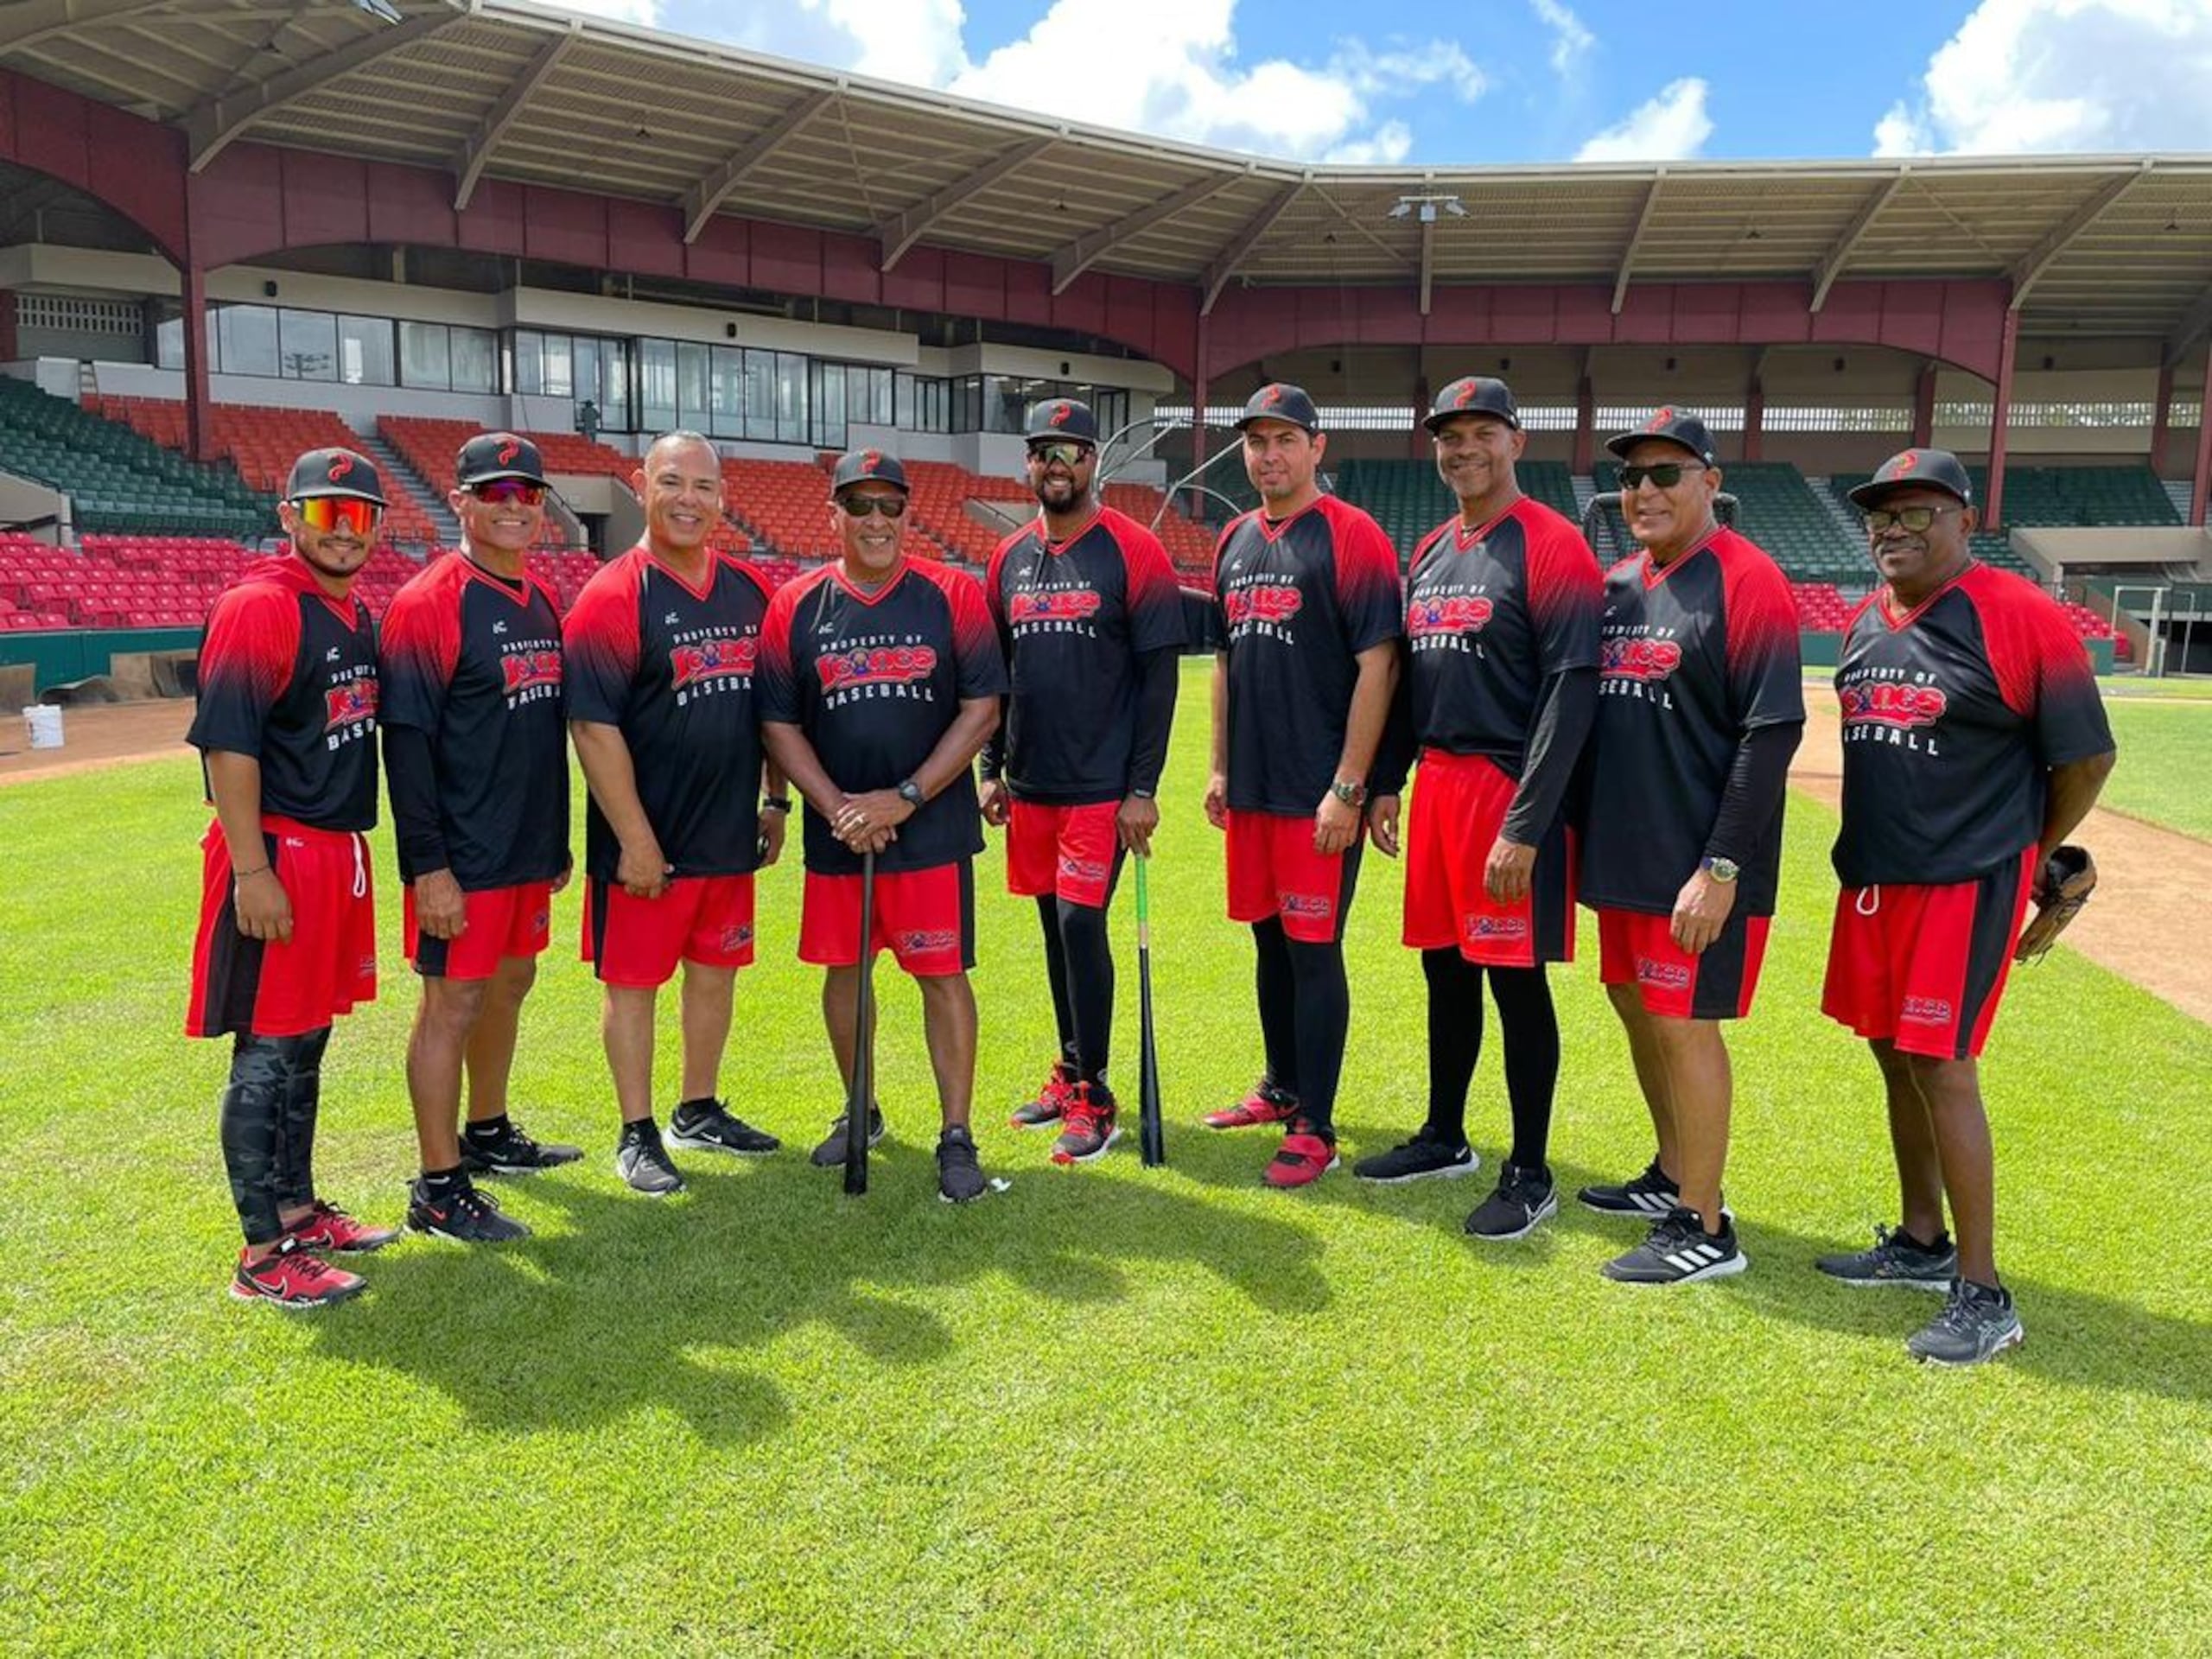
column 324, row 513
column 859, row 506
column 1912, row 520
column 1666, row 474
column 502, row 491
column 1068, row 455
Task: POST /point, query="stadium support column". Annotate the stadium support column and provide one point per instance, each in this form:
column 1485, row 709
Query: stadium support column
column 7, row 324
column 1924, row 407
column 1755, row 420
column 1585, row 425
column 2201, row 478
column 2161, row 404
column 199, row 433
column 2000, row 419
column 1197, row 508
column 1417, row 440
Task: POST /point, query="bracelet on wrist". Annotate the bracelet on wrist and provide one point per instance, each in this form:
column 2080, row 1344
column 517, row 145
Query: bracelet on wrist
column 240, row 875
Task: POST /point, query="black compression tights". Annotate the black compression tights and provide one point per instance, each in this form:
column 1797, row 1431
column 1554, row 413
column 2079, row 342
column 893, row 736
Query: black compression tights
column 268, row 1128
column 1305, row 1013
column 1079, row 963
column 1530, row 1030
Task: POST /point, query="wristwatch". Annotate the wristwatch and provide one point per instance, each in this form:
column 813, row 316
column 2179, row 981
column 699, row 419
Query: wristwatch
column 1723, row 870
column 911, row 793
column 775, row 803
column 1139, row 794
column 1350, row 792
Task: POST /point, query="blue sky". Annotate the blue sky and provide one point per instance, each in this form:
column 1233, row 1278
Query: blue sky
column 1531, row 80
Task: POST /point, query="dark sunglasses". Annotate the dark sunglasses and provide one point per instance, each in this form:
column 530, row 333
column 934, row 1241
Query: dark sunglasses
column 499, row 491
column 324, row 513
column 1666, row 474
column 859, row 506
column 1912, row 520
column 1068, row 455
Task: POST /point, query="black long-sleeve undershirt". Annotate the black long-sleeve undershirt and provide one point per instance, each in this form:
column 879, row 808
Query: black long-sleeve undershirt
column 1758, row 778
column 413, row 775
column 1566, row 708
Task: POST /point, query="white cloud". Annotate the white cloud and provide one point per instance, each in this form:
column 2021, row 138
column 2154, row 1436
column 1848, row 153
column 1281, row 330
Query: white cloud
column 1671, row 127
column 1571, row 38
column 2024, row 76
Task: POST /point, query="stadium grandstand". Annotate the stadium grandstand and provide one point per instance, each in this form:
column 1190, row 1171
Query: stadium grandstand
column 232, row 232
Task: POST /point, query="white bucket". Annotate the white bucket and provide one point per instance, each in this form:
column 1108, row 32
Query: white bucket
column 43, row 721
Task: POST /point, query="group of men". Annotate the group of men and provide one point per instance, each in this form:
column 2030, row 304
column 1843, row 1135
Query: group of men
column 1620, row 737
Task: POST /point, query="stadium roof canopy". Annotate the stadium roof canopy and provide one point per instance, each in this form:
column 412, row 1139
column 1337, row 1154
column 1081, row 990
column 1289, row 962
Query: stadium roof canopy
column 2092, row 245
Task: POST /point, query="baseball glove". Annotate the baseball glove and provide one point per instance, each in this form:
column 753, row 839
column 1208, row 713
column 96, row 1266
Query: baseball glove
column 2068, row 876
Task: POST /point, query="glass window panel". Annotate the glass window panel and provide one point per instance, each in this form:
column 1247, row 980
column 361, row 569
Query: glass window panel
column 790, row 397
column 425, row 355
column 586, row 367
column 829, row 406
column 247, row 340
column 365, row 350
column 614, row 384
column 168, row 343
column 657, row 384
column 307, row 343
column 726, row 390
column 476, row 361
column 530, row 362
column 691, row 385
column 560, row 367
column 761, row 394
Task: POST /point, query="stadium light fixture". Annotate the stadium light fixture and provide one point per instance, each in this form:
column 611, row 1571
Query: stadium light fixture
column 1425, row 207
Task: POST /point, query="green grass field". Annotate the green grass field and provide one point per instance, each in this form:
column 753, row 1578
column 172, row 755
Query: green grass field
column 2166, row 770
column 1110, row 1410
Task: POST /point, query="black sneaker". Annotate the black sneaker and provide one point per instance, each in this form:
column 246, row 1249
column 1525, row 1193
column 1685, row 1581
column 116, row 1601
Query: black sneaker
column 1898, row 1258
column 463, row 1216
column 1428, row 1156
column 1523, row 1199
column 1652, row 1193
column 830, row 1154
column 643, row 1162
column 715, row 1128
column 1679, row 1251
column 959, row 1172
column 1976, row 1324
column 513, row 1153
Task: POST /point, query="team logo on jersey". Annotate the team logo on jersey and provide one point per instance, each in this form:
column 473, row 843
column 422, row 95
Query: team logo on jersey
column 1276, row 601
column 348, row 704
column 1925, row 1011
column 1886, row 702
column 876, row 666
column 922, row 942
column 1482, row 928
column 736, row 938
column 1307, row 904
column 525, row 669
column 1632, row 658
column 1661, row 975
column 1082, row 869
column 1457, row 614
column 1064, row 605
column 729, row 656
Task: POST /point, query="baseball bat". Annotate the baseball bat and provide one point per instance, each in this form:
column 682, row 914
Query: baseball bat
column 859, row 1097
column 1151, row 1139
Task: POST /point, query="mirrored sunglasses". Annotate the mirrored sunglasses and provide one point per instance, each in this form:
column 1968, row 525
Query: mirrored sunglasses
column 1068, row 455
column 324, row 513
column 499, row 491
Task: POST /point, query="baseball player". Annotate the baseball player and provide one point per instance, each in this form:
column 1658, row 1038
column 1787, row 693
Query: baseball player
column 880, row 681
column 1974, row 741
column 1091, row 624
column 286, row 727
column 1306, row 588
column 476, row 758
column 662, row 651
column 1699, row 711
column 1500, row 688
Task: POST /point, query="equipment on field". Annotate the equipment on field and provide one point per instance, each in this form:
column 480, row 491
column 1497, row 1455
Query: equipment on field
column 1151, row 1139
column 862, row 1094
column 2062, row 886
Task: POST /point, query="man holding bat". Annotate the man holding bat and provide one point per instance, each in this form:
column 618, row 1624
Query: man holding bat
column 880, row 681
column 1092, row 623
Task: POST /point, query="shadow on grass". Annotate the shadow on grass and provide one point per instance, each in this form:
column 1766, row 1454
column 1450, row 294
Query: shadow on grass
column 620, row 1303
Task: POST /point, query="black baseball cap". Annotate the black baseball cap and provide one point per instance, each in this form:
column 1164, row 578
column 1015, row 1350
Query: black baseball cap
column 1061, row 417
column 1934, row 469
column 491, row 455
column 1280, row 401
column 1474, row 394
column 1676, row 426
column 869, row 466
column 334, row 472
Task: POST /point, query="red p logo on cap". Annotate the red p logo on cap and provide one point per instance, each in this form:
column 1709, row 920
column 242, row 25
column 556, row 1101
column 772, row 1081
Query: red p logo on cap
column 1060, row 415
column 340, row 468
column 509, row 450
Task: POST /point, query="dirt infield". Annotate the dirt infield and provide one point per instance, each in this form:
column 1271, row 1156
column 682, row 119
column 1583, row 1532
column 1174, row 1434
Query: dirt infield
column 102, row 734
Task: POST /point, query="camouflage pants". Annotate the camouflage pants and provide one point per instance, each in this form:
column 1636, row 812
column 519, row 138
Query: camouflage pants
column 268, row 1125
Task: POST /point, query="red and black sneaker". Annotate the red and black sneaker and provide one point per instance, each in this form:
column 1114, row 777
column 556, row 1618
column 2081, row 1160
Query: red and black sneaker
column 1090, row 1128
column 1265, row 1104
column 290, row 1277
column 1305, row 1155
column 1051, row 1103
column 329, row 1229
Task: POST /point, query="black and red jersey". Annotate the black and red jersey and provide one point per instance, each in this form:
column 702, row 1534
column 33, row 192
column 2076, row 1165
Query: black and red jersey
column 673, row 667
column 1952, row 714
column 1298, row 600
column 1492, row 611
column 289, row 675
column 1074, row 617
column 473, row 662
column 874, row 679
column 1690, row 657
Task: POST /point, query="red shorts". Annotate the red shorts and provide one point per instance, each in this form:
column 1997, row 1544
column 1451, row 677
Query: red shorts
column 1459, row 806
column 1925, row 966
column 273, row 989
column 925, row 918
column 1636, row 948
column 1067, row 852
column 636, row 943
column 501, row 922
column 1273, row 871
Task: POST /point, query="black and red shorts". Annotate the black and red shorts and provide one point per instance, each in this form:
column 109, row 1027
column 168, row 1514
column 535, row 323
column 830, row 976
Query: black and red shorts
column 1274, row 872
column 1066, row 852
column 1924, row 967
column 637, row 942
column 1458, row 808
column 271, row 988
column 498, row 923
column 925, row 918
column 1635, row 948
